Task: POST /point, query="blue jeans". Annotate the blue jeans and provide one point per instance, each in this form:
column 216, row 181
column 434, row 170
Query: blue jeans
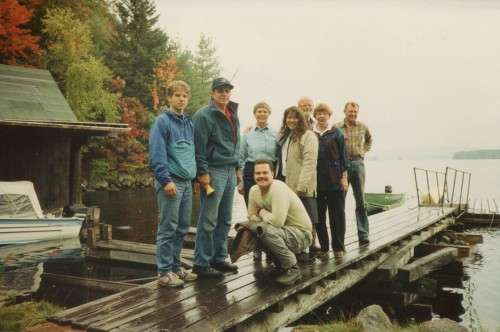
column 215, row 217
column 356, row 175
column 175, row 219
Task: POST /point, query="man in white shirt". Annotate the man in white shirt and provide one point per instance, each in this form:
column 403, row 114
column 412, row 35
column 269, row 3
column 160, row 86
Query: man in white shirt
column 281, row 221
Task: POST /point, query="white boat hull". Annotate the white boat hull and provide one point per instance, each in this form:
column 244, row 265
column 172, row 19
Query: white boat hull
column 32, row 230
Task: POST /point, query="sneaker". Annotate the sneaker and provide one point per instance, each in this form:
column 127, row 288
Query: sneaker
column 290, row 276
column 276, row 272
column 304, row 257
column 323, row 254
column 257, row 255
column 170, row 279
column 186, row 275
column 207, row 271
column 338, row 254
column 225, row 267
column 363, row 242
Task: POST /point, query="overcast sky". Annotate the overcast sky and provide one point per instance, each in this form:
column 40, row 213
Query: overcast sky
column 425, row 73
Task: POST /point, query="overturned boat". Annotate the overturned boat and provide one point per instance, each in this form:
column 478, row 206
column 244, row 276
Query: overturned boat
column 22, row 219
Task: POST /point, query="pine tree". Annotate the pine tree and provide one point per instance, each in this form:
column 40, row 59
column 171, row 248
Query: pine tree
column 198, row 71
column 136, row 47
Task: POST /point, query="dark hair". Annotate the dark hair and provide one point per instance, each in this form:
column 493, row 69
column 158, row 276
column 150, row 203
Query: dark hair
column 265, row 162
column 301, row 126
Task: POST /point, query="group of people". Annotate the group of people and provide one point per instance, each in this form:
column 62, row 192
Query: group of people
column 289, row 179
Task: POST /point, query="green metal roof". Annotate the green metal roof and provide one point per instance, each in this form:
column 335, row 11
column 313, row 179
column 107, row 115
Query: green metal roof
column 31, row 94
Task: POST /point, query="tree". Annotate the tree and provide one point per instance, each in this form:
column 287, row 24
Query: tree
column 87, row 94
column 164, row 73
column 68, row 41
column 137, row 47
column 17, row 44
column 198, row 71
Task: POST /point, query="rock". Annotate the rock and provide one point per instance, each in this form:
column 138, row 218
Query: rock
column 373, row 319
column 442, row 325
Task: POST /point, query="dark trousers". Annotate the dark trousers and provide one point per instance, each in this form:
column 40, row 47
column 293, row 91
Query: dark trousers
column 335, row 202
column 248, row 179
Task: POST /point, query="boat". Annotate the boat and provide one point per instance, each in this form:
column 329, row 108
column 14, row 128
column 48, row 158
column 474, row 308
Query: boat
column 378, row 202
column 23, row 221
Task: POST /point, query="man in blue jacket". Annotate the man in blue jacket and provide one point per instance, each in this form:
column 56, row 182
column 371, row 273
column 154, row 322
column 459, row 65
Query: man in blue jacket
column 216, row 139
column 171, row 150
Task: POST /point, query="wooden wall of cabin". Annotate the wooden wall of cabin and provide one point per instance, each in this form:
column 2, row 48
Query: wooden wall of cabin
column 45, row 160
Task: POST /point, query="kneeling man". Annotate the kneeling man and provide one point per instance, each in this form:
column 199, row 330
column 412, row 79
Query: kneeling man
column 284, row 227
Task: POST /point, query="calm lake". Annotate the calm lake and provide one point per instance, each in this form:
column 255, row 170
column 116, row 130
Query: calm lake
column 133, row 215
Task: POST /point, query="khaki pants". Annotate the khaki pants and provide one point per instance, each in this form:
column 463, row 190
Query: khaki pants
column 284, row 242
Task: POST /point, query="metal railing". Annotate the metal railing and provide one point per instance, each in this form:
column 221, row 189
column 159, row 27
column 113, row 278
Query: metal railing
column 438, row 185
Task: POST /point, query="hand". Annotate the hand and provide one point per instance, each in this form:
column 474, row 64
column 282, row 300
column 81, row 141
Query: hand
column 344, row 185
column 170, row 189
column 247, row 129
column 204, row 179
column 239, row 177
column 241, row 189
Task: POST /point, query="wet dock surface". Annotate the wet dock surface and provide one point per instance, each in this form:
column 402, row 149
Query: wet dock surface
column 219, row 304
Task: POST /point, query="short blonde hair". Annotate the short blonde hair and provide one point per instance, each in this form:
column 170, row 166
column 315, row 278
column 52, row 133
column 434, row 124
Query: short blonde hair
column 322, row 107
column 177, row 85
column 262, row 104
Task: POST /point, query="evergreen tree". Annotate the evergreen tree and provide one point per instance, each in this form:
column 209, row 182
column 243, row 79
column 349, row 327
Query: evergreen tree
column 198, row 71
column 136, row 47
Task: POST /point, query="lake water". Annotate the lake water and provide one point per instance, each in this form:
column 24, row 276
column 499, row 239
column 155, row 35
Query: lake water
column 133, row 215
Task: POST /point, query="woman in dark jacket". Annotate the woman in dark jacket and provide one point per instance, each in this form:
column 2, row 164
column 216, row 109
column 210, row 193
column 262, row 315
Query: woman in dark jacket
column 332, row 181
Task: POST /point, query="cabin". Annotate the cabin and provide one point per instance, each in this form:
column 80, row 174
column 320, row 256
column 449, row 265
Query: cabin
column 40, row 136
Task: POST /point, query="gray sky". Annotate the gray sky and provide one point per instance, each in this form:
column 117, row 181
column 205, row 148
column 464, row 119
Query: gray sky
column 425, row 73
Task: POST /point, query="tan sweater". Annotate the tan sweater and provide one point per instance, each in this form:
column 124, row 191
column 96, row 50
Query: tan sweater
column 280, row 206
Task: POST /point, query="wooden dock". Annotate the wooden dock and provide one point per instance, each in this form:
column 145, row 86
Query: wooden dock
column 251, row 300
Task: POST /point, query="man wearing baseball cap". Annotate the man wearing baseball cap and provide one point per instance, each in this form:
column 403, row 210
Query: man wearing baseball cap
column 216, row 136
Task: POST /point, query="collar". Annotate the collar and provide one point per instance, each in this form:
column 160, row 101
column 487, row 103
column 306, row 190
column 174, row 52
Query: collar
column 232, row 106
column 345, row 124
column 173, row 114
column 257, row 128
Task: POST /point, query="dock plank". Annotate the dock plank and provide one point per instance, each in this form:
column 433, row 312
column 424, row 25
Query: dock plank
column 209, row 305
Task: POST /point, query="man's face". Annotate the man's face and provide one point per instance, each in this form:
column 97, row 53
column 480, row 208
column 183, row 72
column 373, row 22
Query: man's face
column 322, row 117
column 305, row 105
column 351, row 113
column 292, row 121
column 221, row 95
column 179, row 100
column 263, row 175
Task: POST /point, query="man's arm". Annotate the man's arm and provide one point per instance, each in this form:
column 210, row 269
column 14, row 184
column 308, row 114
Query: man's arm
column 158, row 151
column 279, row 207
column 368, row 140
column 201, row 133
column 253, row 208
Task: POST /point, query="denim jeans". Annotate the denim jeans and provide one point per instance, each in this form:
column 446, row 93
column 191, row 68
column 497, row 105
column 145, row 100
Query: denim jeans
column 356, row 175
column 215, row 217
column 175, row 219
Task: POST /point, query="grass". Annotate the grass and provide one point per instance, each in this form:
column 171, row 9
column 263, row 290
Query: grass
column 349, row 326
column 19, row 317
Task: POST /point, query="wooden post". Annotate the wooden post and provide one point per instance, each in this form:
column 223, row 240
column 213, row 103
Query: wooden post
column 427, row 264
column 91, row 237
column 106, row 232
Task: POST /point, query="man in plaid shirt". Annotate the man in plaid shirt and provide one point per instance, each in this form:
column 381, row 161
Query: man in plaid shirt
column 358, row 141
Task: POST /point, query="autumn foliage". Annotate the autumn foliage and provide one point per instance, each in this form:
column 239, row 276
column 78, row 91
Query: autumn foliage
column 17, row 45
